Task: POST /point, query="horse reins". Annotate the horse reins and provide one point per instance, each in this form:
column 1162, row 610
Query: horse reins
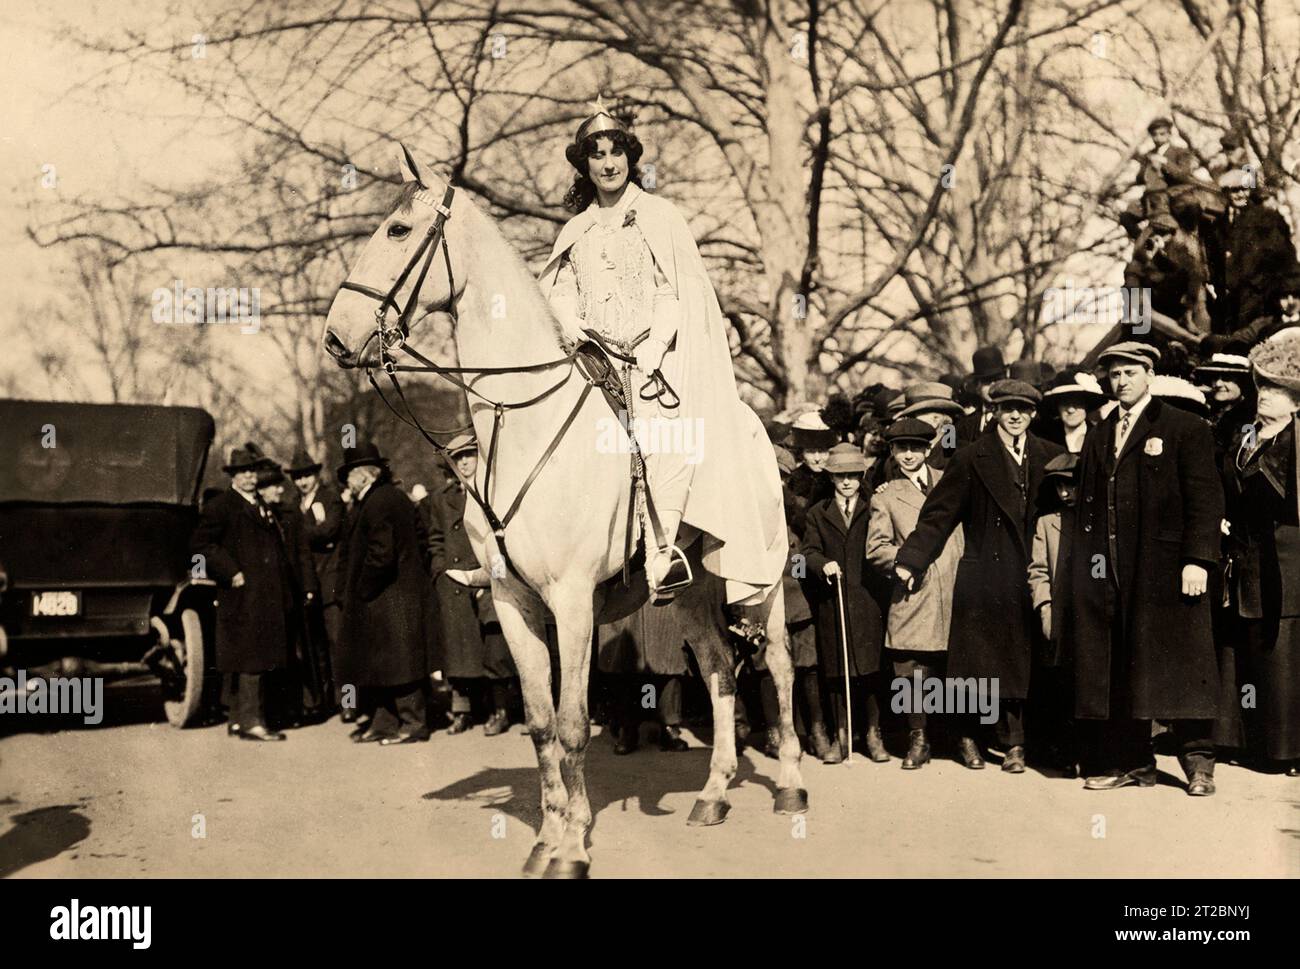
column 393, row 338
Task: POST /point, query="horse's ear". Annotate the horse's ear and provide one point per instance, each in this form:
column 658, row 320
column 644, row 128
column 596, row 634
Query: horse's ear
column 407, row 165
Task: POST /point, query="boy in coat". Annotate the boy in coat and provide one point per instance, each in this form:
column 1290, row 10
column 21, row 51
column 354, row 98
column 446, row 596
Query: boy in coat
column 919, row 621
column 1146, row 535
column 834, row 545
column 990, row 488
column 1051, row 697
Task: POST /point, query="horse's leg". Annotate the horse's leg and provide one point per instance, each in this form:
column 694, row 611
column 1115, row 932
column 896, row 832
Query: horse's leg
column 791, row 798
column 573, row 608
column 711, row 806
column 524, row 626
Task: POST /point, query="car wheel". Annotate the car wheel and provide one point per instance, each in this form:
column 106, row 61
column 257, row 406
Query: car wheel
column 187, row 698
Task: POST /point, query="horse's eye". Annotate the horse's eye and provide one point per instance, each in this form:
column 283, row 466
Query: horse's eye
column 398, row 231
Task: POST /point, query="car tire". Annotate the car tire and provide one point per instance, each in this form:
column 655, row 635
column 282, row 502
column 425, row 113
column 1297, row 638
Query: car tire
column 183, row 709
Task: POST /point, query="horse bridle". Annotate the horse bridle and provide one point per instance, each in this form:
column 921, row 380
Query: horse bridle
column 393, row 338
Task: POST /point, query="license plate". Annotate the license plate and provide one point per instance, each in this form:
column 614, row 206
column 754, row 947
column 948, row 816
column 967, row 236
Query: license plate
column 58, row 603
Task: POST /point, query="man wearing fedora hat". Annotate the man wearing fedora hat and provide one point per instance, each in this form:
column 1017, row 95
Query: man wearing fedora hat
column 987, row 367
column 473, row 647
column 387, row 609
column 323, row 514
column 240, row 548
column 1138, row 627
column 991, row 489
column 834, row 545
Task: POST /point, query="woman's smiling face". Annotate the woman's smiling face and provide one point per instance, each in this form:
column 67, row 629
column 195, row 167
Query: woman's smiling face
column 607, row 166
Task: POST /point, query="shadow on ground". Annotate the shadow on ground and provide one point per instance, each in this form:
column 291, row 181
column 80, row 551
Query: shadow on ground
column 647, row 775
column 40, row 835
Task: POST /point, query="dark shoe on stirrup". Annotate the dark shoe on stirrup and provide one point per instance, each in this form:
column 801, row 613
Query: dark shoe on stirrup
column 918, row 750
column 970, row 753
column 876, row 746
column 668, row 572
column 821, row 744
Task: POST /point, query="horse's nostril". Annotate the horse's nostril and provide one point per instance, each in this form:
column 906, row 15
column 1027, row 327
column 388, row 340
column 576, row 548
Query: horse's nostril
column 334, row 346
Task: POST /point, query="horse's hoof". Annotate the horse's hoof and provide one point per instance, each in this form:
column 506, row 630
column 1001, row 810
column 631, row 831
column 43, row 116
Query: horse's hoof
column 535, row 866
column 791, row 800
column 559, row 868
column 708, row 812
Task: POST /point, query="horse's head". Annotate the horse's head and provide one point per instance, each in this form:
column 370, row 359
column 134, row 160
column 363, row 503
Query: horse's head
column 407, row 270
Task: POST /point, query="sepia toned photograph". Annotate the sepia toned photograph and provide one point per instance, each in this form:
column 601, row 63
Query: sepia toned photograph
column 734, row 439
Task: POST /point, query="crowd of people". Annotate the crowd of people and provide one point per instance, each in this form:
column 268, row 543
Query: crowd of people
column 1110, row 548
column 1094, row 557
column 347, row 598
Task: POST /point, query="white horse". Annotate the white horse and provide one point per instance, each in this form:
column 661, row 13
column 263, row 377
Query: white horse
column 567, row 535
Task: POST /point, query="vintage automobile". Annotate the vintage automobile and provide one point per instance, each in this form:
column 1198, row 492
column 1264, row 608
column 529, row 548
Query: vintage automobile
column 97, row 503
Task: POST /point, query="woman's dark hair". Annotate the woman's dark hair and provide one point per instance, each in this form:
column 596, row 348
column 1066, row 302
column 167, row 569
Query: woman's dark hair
column 583, row 190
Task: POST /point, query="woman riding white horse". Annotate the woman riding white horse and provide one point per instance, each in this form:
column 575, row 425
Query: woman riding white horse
column 627, row 267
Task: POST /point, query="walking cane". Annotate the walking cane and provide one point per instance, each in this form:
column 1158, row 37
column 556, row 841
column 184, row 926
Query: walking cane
column 844, row 652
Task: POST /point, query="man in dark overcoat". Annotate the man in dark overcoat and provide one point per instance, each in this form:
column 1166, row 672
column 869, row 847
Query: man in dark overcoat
column 1146, row 536
column 473, row 647
column 242, row 552
column 322, row 521
column 991, row 489
column 1250, row 250
column 386, row 602
column 305, row 689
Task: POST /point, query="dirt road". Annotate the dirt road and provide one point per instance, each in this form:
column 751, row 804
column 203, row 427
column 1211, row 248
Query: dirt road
column 143, row 799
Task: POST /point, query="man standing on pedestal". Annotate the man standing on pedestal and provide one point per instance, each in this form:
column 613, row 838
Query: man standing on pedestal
column 1146, row 535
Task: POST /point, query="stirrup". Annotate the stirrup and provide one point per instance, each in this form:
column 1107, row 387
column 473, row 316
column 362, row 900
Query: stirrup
column 678, row 576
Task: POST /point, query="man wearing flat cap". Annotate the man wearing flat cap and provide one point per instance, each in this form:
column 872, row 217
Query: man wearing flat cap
column 934, row 404
column 387, row 608
column 242, row 552
column 1249, row 249
column 991, row 490
column 1146, row 536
